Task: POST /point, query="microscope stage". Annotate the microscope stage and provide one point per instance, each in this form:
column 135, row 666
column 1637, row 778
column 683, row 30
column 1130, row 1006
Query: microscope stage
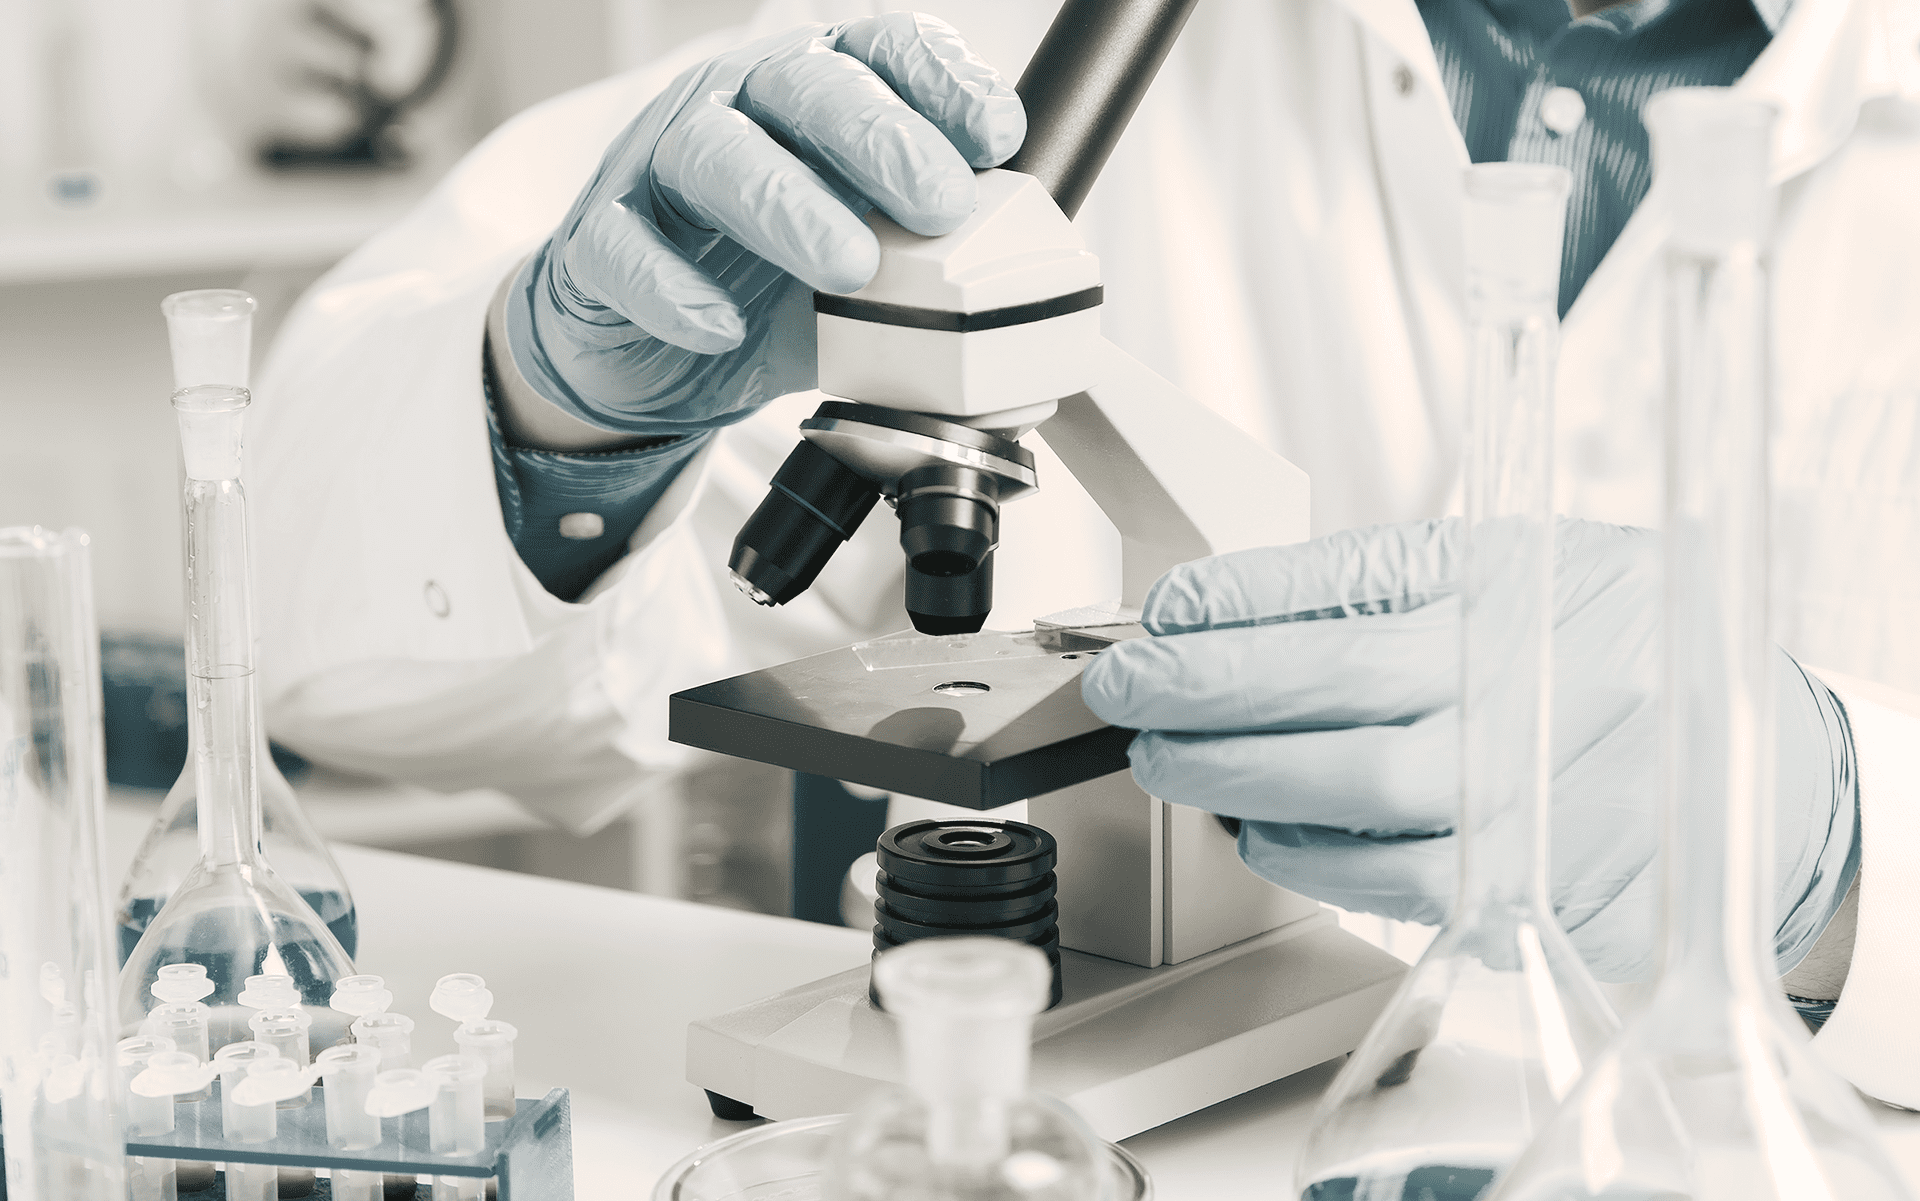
column 979, row 732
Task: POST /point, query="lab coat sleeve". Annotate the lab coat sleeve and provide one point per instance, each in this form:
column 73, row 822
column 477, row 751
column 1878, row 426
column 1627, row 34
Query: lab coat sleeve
column 1871, row 1037
column 400, row 632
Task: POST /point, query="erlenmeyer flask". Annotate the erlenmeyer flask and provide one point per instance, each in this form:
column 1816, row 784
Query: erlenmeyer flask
column 1497, row 1020
column 1712, row 1093
column 211, row 335
column 963, row 1126
column 62, row 1139
column 232, row 914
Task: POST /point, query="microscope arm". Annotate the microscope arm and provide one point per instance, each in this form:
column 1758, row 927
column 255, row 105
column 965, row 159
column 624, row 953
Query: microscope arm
column 1179, row 481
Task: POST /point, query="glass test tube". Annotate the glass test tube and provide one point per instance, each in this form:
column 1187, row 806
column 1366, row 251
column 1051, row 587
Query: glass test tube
column 491, row 1042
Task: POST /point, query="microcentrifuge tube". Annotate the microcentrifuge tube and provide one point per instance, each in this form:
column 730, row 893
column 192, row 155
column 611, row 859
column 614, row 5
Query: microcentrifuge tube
column 149, row 1178
column 349, row 1072
column 232, row 1062
column 247, row 1122
column 171, row 1075
column 389, row 1033
column 361, row 995
column 963, row 1126
column 461, row 996
column 285, row 1030
column 269, row 992
column 491, row 1042
column 456, row 1121
column 185, row 1023
column 1712, row 1090
column 180, row 982
column 1496, row 1021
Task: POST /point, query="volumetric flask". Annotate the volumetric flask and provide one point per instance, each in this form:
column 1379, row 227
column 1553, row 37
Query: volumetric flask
column 1712, row 1092
column 58, row 1061
column 211, row 334
column 233, row 914
column 964, row 1127
column 1496, row 1021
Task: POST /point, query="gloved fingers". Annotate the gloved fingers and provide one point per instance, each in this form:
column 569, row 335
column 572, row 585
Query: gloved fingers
column 617, row 259
column 1309, row 674
column 718, row 170
column 1383, row 781
column 931, row 67
column 1409, row 880
column 1381, row 569
column 844, row 120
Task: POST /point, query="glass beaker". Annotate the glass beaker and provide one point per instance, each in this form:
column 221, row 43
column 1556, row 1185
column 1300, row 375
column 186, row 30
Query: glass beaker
column 210, row 333
column 1497, row 1020
column 232, row 914
column 1712, row 1093
column 58, row 1056
column 964, row 1127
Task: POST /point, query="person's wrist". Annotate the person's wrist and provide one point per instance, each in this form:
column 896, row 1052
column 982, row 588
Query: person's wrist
column 528, row 418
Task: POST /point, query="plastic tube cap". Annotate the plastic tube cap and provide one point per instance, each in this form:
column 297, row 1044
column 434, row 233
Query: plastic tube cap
column 212, row 418
column 461, row 996
column 346, row 1057
column 272, row 1080
column 136, row 1051
column 361, row 995
column 1516, row 221
column 270, row 992
column 173, row 1072
column 983, row 978
column 1713, row 158
column 210, row 332
column 178, row 982
column 402, row 1090
column 279, row 1021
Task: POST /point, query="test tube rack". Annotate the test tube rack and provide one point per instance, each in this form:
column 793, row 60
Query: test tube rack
column 529, row 1155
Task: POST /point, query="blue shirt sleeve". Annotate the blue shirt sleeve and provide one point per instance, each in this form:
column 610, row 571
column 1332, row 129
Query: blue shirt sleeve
column 570, row 515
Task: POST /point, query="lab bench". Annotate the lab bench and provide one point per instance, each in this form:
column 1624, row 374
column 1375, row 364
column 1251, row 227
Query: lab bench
column 603, row 983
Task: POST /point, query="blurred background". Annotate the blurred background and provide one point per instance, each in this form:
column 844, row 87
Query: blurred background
column 151, row 146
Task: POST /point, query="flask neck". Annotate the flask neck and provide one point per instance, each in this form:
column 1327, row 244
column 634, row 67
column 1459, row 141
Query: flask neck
column 1719, row 683
column 223, row 721
column 967, row 1071
column 1507, row 612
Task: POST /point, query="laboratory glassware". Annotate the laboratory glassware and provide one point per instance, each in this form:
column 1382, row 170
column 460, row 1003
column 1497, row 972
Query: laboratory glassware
column 1712, row 1093
column 1494, row 1023
column 210, row 332
column 59, row 1061
column 963, row 1124
column 232, row 914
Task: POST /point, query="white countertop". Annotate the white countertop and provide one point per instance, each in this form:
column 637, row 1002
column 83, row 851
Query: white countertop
column 602, row 984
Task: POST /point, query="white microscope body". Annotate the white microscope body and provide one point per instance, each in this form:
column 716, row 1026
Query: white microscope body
column 1188, row 978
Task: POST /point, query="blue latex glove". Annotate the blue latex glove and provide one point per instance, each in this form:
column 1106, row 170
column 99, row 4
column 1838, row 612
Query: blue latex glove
column 665, row 303
column 1313, row 691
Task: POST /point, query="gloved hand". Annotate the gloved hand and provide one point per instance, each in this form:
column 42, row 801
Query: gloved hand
column 1313, row 690
column 656, row 308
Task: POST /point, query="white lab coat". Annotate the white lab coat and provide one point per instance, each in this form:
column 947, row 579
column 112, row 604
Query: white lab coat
column 1278, row 232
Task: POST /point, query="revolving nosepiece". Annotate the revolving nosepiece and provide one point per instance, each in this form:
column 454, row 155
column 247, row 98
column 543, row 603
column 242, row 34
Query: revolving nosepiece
column 815, row 503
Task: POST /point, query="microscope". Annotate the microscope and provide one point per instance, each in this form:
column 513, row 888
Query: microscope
column 1187, row 978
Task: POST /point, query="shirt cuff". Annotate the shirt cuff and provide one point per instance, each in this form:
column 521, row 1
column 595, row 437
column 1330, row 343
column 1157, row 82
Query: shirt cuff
column 570, row 515
column 1870, row 1037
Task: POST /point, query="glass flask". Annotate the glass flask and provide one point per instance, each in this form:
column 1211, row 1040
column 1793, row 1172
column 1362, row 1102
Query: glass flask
column 58, row 1055
column 211, row 335
column 232, row 914
column 1712, row 1093
column 964, row 1125
column 1496, row 1021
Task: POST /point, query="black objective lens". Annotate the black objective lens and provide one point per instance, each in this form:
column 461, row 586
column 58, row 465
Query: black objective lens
column 815, row 504
column 949, row 525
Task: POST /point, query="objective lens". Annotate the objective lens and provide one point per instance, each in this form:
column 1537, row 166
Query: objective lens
column 949, row 525
column 815, row 504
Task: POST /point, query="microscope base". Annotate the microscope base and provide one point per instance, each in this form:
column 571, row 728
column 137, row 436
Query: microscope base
column 1130, row 1048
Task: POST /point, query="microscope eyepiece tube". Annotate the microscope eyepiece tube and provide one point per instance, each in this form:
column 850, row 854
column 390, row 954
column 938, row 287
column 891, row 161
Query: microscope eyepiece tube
column 814, row 505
